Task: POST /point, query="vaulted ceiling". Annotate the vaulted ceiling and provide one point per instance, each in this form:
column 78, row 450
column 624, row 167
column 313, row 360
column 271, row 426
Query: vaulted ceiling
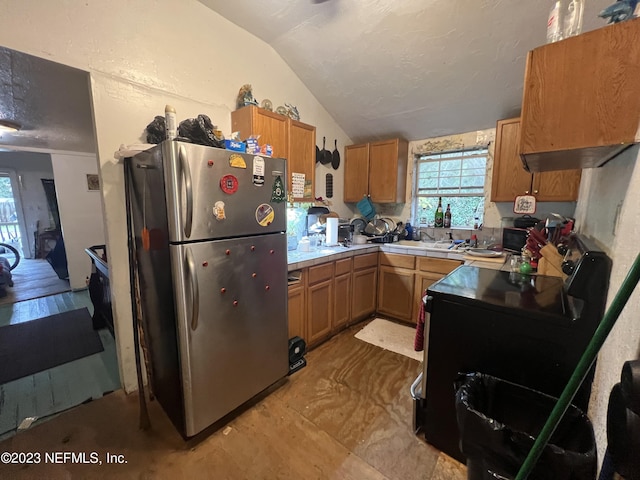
column 381, row 68
column 413, row 68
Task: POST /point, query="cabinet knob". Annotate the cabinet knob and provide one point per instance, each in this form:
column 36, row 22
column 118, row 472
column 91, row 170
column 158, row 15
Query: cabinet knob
column 535, row 192
column 527, row 192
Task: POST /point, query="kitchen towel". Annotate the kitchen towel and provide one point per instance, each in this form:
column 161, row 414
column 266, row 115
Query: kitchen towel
column 332, row 231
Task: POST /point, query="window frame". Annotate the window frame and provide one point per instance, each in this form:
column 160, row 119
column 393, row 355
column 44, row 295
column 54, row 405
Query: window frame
column 479, row 151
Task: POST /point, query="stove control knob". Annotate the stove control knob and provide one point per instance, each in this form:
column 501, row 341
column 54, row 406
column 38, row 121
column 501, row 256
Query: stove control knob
column 562, row 249
column 568, row 266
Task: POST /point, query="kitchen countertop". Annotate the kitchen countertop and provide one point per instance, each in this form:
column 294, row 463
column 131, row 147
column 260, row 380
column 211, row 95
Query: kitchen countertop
column 298, row 260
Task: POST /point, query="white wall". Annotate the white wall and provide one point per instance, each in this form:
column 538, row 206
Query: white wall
column 32, row 168
column 608, row 211
column 80, row 212
column 141, row 56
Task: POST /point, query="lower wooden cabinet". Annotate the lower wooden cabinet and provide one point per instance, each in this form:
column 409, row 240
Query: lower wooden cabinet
column 342, row 294
column 297, row 314
column 429, row 270
column 364, row 286
column 395, row 292
column 319, row 311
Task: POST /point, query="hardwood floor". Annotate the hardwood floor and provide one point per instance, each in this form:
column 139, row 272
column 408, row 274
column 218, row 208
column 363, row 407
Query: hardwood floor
column 55, row 390
column 347, row 415
column 33, row 279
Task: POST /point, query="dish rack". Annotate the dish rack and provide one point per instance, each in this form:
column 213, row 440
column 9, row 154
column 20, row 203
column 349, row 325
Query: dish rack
column 386, row 238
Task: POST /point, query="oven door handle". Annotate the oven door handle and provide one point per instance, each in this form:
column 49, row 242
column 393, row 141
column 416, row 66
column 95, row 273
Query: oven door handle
column 415, row 393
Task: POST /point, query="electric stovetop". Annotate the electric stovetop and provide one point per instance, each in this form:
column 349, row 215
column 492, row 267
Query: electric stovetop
column 528, row 294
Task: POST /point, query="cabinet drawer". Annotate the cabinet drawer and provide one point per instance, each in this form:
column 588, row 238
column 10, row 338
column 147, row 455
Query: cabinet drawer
column 320, row 273
column 438, row 265
column 366, row 260
column 397, row 260
column 343, row 266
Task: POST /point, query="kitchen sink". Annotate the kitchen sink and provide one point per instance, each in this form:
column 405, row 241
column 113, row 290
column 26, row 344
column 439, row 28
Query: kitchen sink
column 444, row 245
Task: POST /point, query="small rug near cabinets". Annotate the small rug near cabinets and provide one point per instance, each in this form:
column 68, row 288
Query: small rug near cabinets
column 390, row 336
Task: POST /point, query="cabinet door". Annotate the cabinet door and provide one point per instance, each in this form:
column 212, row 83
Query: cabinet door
column 557, row 186
column 296, row 312
column 301, row 157
column 272, row 128
column 388, row 171
column 356, row 172
column 342, row 295
column 363, row 299
column 319, row 311
column 423, row 281
column 395, row 292
column 582, row 93
column 509, row 176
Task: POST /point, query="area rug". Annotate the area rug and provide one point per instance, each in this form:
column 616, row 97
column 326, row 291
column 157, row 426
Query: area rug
column 30, row 347
column 390, row 336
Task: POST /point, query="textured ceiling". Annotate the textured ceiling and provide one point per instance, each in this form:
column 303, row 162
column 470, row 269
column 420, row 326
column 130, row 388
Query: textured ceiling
column 414, row 68
column 51, row 101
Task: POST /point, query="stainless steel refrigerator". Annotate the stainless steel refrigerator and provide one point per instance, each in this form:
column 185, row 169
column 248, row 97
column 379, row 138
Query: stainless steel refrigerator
column 211, row 256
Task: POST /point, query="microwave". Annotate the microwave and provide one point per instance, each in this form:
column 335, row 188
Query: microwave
column 514, row 239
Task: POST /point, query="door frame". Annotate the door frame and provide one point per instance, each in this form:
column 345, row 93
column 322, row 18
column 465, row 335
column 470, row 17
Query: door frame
column 16, row 184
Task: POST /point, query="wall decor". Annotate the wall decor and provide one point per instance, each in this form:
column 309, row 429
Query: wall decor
column 93, row 182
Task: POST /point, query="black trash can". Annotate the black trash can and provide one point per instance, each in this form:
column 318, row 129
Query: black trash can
column 499, row 421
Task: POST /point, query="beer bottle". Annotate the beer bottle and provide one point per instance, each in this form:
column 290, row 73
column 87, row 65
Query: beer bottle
column 439, row 220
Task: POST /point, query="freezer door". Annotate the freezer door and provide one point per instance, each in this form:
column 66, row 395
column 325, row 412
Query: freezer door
column 215, row 193
column 232, row 322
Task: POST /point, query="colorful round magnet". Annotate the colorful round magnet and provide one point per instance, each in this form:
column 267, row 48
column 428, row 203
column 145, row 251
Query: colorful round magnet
column 264, row 214
column 229, row 184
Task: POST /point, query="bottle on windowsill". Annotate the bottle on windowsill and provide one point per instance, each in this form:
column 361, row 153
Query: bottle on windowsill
column 439, row 217
column 447, row 216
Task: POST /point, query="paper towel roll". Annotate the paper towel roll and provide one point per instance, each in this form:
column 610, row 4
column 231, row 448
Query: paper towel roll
column 332, row 231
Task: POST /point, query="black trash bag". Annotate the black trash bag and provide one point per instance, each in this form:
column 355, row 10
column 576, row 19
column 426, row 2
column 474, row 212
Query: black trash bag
column 498, row 422
column 200, row 131
column 156, row 130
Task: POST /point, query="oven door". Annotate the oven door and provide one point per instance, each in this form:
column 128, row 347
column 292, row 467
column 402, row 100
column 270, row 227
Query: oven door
column 418, row 387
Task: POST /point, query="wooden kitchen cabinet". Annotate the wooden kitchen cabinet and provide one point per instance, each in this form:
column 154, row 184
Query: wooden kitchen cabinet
column 364, row 283
column 272, row 128
column 320, row 302
column 301, row 156
column 580, row 103
column 376, row 169
column 290, row 139
column 428, row 271
column 297, row 311
column 396, row 285
column 342, row 294
column 510, row 179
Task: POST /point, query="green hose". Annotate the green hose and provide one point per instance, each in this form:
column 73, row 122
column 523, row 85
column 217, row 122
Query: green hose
column 587, row 359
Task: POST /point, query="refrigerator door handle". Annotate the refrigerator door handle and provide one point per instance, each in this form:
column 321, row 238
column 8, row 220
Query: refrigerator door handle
column 186, row 172
column 415, row 393
column 195, row 292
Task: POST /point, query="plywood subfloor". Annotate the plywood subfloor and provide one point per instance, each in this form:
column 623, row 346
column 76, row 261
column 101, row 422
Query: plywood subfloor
column 347, row 415
column 33, row 278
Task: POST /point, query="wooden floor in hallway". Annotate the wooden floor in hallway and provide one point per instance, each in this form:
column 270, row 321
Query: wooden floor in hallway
column 347, row 415
column 47, row 393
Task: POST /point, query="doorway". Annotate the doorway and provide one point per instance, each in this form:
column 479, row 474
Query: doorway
column 51, row 103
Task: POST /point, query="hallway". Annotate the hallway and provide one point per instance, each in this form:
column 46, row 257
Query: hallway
column 52, row 391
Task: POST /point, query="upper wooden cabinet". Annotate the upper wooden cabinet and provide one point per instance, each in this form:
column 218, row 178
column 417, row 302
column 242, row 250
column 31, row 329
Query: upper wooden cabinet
column 272, row 128
column 581, row 104
column 510, row 179
column 377, row 169
column 301, row 157
column 290, row 139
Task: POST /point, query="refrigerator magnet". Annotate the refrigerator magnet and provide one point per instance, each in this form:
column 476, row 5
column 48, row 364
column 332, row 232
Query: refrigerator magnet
column 237, row 161
column 218, row 210
column 258, row 171
column 229, row 184
column 277, row 191
column 264, row 214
